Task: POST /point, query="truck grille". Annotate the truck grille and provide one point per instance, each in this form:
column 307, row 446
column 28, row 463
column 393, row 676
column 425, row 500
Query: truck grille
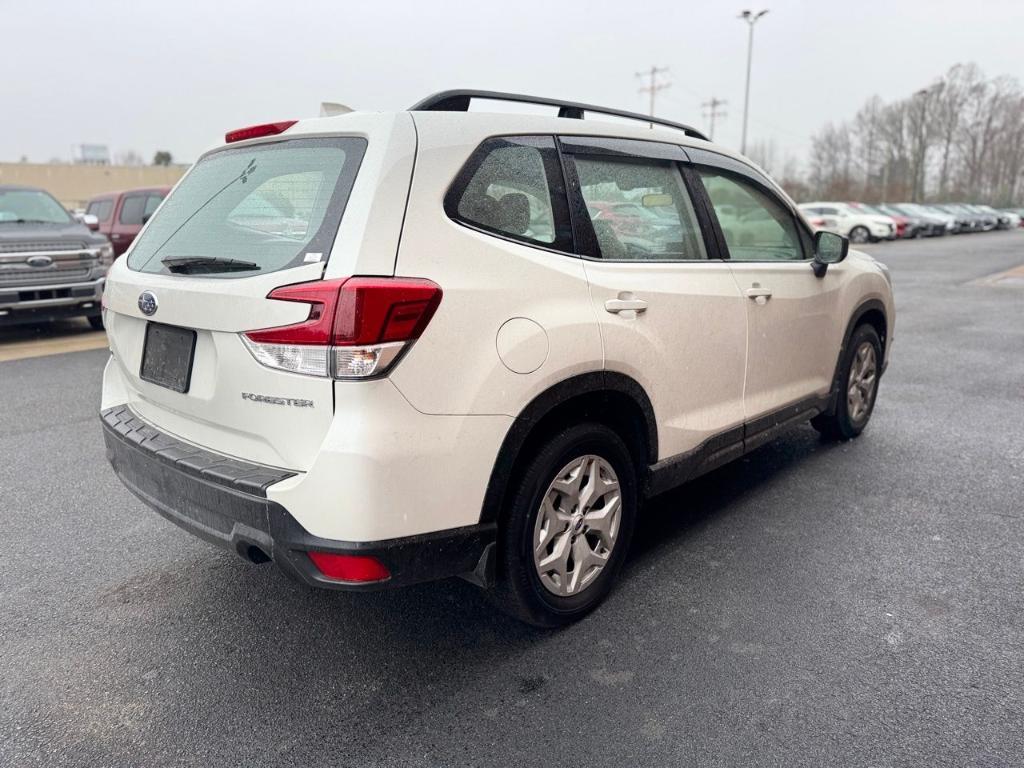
column 45, row 263
column 41, row 245
column 32, row 276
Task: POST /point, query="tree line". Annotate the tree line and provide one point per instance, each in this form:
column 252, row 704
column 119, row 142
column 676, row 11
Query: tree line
column 959, row 139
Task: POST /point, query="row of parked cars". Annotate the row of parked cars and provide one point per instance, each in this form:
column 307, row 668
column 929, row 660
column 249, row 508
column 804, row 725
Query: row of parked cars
column 53, row 263
column 864, row 223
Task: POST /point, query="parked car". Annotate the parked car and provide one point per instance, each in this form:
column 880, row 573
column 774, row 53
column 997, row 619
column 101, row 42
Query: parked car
column 1015, row 215
column 901, row 222
column 930, row 222
column 968, row 220
column 51, row 265
column 122, row 214
column 859, row 227
column 955, row 223
column 918, row 225
column 428, row 383
column 1000, row 220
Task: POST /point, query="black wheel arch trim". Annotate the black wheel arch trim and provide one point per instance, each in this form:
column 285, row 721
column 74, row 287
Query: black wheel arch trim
column 594, row 382
column 856, row 319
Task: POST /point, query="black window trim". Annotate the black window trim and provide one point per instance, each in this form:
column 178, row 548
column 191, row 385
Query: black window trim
column 564, row 245
column 728, row 166
column 639, row 150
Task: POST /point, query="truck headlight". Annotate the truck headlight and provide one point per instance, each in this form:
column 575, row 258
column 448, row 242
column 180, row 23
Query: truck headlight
column 106, row 254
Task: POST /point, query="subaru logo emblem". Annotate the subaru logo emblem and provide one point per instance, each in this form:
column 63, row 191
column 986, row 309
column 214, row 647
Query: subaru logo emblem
column 39, row 261
column 147, row 303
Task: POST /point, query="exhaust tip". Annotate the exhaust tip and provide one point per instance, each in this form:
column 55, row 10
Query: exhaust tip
column 252, row 553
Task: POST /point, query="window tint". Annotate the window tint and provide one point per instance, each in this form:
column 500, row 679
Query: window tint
column 513, row 187
column 131, row 209
column 152, row 203
column 269, row 204
column 757, row 227
column 101, row 209
column 640, row 210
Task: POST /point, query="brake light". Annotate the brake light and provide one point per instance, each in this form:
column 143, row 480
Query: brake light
column 356, row 327
column 352, row 568
column 256, row 131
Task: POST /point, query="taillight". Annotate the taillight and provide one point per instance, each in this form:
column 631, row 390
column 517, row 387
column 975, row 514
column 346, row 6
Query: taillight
column 356, row 328
column 256, row 131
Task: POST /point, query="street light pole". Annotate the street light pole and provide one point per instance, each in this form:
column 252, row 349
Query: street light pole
column 751, row 18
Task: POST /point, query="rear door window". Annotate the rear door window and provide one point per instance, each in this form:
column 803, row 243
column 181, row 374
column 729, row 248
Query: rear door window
column 640, row 209
column 268, row 205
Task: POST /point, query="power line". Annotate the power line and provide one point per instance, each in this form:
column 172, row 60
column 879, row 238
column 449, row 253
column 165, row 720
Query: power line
column 653, row 85
column 714, row 112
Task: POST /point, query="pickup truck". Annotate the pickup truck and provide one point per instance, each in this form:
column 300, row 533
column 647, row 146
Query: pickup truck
column 51, row 265
column 121, row 215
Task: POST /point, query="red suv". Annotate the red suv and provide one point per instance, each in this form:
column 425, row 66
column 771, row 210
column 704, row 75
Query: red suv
column 122, row 214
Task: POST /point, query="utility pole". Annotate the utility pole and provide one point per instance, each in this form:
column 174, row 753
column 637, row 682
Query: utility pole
column 713, row 112
column 751, row 18
column 653, row 85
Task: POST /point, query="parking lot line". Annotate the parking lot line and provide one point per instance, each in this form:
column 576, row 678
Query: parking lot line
column 19, row 350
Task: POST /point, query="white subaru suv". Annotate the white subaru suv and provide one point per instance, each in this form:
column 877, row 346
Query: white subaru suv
column 380, row 349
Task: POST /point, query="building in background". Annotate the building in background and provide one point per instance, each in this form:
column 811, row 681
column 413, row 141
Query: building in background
column 75, row 184
column 90, row 154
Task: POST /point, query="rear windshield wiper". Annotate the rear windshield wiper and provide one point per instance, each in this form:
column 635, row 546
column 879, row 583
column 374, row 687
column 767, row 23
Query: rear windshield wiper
column 193, row 265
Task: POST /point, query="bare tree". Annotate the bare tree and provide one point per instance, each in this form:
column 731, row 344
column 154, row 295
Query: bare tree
column 961, row 138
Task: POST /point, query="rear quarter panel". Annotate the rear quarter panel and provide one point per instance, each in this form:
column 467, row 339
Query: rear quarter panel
column 455, row 368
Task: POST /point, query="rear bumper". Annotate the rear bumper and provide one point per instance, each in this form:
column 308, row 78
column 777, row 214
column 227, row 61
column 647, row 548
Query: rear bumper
column 44, row 303
column 224, row 501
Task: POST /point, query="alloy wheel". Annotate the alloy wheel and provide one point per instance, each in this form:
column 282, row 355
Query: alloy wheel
column 577, row 525
column 860, row 388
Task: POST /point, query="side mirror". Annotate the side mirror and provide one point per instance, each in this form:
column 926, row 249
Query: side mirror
column 829, row 248
column 91, row 221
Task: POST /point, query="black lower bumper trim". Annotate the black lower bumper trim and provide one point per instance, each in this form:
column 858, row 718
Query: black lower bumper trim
column 25, row 316
column 223, row 501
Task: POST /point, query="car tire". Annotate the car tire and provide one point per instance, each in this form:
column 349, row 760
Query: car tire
column 96, row 321
column 857, row 388
column 552, row 538
column 860, row 235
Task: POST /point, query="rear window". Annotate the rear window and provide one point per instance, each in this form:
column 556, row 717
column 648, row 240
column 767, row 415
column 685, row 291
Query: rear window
column 274, row 206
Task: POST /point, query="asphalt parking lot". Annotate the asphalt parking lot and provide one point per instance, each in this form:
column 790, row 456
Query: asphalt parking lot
column 852, row 604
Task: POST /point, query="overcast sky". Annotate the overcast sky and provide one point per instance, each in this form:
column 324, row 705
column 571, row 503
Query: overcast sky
column 176, row 74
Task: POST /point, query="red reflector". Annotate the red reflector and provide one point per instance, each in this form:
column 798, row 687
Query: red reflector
column 349, row 567
column 355, row 311
column 255, row 131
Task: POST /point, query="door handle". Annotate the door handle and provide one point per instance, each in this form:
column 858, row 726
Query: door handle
column 759, row 294
column 615, row 306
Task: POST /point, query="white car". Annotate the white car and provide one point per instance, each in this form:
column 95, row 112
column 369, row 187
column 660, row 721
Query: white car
column 450, row 368
column 845, row 220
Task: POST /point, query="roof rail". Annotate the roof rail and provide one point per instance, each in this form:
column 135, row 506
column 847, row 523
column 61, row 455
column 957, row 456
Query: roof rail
column 458, row 101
